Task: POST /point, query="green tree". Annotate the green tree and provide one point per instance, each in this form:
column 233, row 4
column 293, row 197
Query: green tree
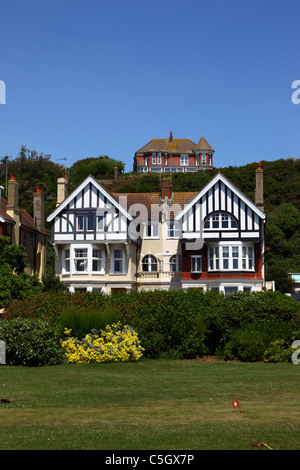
column 101, row 167
column 14, row 283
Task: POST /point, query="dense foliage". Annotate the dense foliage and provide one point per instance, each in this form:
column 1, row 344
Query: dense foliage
column 31, row 342
column 15, row 284
column 183, row 324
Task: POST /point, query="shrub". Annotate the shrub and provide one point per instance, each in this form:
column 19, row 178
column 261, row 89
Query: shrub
column 82, row 320
column 115, row 343
column 251, row 342
column 31, row 342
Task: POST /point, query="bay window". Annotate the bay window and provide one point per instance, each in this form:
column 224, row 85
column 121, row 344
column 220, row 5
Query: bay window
column 230, row 257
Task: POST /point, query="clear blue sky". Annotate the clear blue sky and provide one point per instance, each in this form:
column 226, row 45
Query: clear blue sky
column 89, row 77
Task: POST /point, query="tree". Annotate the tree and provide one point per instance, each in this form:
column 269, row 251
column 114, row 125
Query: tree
column 14, row 283
column 101, row 167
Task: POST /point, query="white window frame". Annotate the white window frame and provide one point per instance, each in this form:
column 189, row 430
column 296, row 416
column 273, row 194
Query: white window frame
column 71, row 260
column 97, row 259
column 159, row 158
column 81, row 216
column 121, row 258
column 203, row 158
column 184, row 160
column 151, row 230
column 151, row 262
column 146, row 161
column 217, row 221
column 174, row 229
column 235, row 256
column 153, row 158
column 196, row 264
column 66, row 261
column 85, row 259
column 89, row 217
column 100, row 222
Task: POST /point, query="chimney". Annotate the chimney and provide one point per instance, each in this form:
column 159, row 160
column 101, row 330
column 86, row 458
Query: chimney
column 13, row 206
column 61, row 189
column 115, row 173
column 171, row 138
column 39, row 209
column 259, row 190
column 166, row 188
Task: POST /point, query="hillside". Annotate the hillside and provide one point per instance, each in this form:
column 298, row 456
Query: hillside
column 281, row 196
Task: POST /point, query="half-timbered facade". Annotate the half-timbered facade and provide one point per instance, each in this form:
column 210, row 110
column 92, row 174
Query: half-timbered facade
column 211, row 239
column 222, row 239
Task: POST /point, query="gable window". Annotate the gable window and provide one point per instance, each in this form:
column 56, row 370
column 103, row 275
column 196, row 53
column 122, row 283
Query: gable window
column 81, row 259
column 149, row 263
column 80, row 223
column 90, row 222
column 220, row 221
column 100, row 223
column 184, row 160
column 196, row 265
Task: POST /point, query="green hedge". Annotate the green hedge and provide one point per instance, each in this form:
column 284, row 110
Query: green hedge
column 31, row 342
column 185, row 324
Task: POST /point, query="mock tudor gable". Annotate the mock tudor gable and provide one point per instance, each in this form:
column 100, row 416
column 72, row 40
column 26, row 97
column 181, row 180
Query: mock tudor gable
column 220, row 211
column 89, row 213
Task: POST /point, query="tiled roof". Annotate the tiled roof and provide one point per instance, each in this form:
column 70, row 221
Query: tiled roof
column 146, row 205
column 25, row 219
column 172, row 145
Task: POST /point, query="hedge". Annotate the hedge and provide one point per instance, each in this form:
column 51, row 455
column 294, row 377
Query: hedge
column 185, row 324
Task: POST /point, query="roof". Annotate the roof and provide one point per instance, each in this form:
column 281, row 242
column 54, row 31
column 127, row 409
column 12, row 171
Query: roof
column 25, row 219
column 175, row 146
column 4, row 217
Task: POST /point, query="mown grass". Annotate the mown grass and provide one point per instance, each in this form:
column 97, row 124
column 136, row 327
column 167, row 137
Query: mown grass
column 150, row 405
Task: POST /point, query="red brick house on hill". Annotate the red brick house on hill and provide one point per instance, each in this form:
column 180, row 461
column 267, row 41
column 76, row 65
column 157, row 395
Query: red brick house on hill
column 174, row 155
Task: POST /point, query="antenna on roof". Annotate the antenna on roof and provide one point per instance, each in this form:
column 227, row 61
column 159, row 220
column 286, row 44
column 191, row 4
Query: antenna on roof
column 66, row 170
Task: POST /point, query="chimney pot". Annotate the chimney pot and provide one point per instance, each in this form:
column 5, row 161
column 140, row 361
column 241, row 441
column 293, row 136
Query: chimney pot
column 13, row 177
column 171, row 137
column 166, row 188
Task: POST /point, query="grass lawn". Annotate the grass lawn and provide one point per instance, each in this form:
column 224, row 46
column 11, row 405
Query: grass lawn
column 150, row 405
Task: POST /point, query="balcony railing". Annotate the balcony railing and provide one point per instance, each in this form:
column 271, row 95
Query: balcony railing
column 149, row 276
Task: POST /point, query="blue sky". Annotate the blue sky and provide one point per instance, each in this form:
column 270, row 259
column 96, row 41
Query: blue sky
column 89, row 77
